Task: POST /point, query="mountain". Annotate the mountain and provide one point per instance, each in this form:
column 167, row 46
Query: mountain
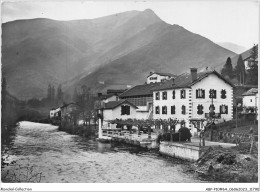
column 107, row 52
column 232, row 47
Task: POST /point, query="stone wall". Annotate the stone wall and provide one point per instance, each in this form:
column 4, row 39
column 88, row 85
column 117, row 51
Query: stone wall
column 180, row 150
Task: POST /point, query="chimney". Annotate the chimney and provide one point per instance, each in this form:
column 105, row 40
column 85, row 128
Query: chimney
column 151, row 72
column 99, row 94
column 193, row 72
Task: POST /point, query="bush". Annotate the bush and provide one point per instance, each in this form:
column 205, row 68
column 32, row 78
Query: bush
column 185, row 134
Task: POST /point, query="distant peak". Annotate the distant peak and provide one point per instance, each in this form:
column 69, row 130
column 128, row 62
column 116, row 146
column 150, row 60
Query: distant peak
column 149, row 11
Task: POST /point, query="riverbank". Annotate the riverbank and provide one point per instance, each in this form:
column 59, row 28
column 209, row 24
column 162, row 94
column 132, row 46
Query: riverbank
column 89, row 131
column 228, row 165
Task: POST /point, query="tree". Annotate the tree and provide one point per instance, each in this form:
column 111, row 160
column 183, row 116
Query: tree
column 227, row 70
column 253, row 66
column 49, row 92
column 240, row 71
column 85, row 101
column 59, row 97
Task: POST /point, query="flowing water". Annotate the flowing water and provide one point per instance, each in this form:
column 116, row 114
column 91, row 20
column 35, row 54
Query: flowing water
column 62, row 157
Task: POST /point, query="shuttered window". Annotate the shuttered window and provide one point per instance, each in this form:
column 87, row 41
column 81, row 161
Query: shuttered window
column 164, row 95
column 212, row 93
column 125, row 110
column 173, row 109
column 183, row 94
column 183, row 109
column 173, row 94
column 200, row 93
column 164, row 110
column 223, row 109
column 157, row 110
column 157, row 96
column 200, row 109
column 223, row 94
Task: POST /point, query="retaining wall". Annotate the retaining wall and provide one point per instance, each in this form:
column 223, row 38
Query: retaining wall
column 180, row 150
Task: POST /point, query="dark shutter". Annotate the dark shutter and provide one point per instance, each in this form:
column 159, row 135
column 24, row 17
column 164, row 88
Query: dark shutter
column 223, row 94
column 127, row 110
column 203, row 94
column 173, row 109
column 226, row 109
column 197, row 93
column 182, row 94
column 200, row 109
column 173, row 94
column 183, row 109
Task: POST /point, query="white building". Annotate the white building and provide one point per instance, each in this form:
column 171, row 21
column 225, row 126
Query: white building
column 112, row 110
column 251, row 101
column 157, row 77
column 188, row 96
column 54, row 112
column 250, row 98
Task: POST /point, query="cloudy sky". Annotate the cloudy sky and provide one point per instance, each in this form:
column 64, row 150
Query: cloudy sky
column 218, row 20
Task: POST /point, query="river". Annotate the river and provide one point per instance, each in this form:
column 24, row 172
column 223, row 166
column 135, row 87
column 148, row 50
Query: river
column 65, row 158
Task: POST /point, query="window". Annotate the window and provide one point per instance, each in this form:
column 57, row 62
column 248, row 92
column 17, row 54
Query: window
column 223, row 109
column 251, row 100
column 223, row 94
column 211, row 108
column 173, row 94
column 183, row 110
column 200, row 93
column 153, row 78
column 200, row 109
column 125, row 110
column 157, row 96
column 164, row 110
column 212, row 93
column 164, row 95
column 173, row 109
column 183, row 94
column 157, row 110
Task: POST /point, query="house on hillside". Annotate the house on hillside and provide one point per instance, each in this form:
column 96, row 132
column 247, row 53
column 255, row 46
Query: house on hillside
column 157, row 77
column 193, row 96
column 251, row 101
column 112, row 110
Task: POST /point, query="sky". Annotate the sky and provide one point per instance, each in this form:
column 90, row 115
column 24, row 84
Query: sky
column 218, row 20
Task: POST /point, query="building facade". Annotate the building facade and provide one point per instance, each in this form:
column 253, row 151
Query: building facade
column 194, row 96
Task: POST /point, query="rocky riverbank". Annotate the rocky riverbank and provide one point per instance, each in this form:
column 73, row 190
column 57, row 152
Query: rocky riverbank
column 227, row 165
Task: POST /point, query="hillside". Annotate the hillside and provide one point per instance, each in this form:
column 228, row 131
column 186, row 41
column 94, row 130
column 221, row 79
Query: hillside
column 232, row 47
column 117, row 49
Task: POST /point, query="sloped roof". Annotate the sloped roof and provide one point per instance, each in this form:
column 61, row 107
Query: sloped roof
column 107, row 96
column 185, row 81
column 252, row 91
column 163, row 74
column 139, row 90
column 114, row 104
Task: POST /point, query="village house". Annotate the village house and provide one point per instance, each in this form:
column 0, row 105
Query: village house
column 193, row 96
column 250, row 101
column 121, row 109
column 142, row 97
column 157, row 77
column 55, row 112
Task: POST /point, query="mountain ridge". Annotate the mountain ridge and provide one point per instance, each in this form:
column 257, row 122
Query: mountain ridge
column 41, row 51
